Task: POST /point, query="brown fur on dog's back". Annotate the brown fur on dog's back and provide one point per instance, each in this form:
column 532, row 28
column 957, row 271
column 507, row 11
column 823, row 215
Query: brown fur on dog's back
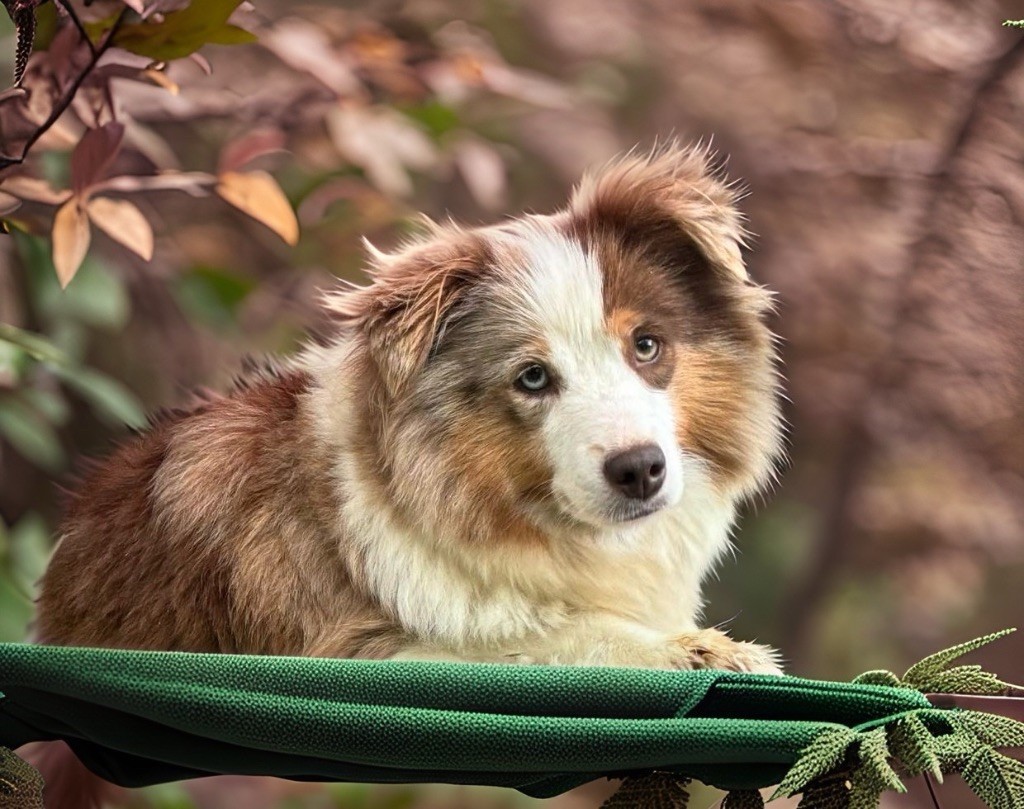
column 227, row 514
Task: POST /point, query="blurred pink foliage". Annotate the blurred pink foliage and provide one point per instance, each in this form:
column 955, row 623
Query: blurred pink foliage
column 882, row 142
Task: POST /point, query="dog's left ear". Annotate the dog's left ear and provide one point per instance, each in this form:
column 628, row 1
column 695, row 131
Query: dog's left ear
column 415, row 293
column 661, row 196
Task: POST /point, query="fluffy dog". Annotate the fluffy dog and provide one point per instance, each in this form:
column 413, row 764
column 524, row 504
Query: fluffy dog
column 524, row 443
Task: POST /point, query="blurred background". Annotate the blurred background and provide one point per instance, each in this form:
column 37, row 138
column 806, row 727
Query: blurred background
column 882, row 142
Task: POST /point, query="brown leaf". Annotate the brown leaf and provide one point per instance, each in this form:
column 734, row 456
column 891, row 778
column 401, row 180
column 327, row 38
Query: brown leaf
column 384, row 142
column 307, row 47
column 12, row 92
column 258, row 194
column 8, row 203
column 123, row 223
column 70, row 240
column 202, row 62
column 483, row 170
column 94, row 154
column 250, row 146
column 34, row 190
column 533, row 88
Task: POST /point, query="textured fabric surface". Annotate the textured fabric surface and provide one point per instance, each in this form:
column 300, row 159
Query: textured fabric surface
column 144, row 717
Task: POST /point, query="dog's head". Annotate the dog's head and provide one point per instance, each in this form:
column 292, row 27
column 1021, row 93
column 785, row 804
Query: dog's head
column 571, row 371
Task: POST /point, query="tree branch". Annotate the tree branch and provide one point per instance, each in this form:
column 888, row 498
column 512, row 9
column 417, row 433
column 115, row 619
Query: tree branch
column 858, row 449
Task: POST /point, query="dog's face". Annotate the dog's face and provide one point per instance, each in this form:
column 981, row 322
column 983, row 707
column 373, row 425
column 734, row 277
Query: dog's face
column 573, row 372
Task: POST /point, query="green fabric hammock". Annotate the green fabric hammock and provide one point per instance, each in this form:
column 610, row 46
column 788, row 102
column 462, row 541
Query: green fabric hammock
column 140, row 718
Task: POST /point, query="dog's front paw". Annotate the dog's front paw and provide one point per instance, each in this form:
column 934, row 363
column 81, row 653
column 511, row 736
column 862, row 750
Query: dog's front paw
column 713, row 649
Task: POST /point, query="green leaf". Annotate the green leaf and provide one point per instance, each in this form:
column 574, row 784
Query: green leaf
column 110, row 398
column 30, row 434
column 821, row 756
column 955, row 749
column 994, row 729
column 213, row 294
column 232, row 35
column 437, row 118
column 997, row 779
column 925, row 672
column 652, row 789
column 15, row 610
column 933, row 675
column 879, row 677
column 914, row 745
column 183, row 32
column 13, row 361
column 874, row 759
column 827, row 793
column 743, row 799
column 50, row 403
column 29, row 550
column 20, row 783
column 39, row 348
column 963, row 680
column 865, row 791
column 98, row 297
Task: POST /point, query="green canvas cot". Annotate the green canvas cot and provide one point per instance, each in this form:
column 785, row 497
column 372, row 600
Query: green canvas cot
column 140, row 718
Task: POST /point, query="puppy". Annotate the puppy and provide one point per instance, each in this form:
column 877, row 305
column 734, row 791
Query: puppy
column 524, row 443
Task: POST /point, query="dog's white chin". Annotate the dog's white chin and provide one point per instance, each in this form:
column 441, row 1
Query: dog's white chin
column 616, row 515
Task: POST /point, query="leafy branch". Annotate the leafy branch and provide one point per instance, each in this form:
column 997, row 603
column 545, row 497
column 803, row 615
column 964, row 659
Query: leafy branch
column 69, row 94
column 853, row 767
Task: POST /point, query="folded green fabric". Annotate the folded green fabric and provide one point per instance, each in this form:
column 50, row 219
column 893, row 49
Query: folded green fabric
column 140, row 718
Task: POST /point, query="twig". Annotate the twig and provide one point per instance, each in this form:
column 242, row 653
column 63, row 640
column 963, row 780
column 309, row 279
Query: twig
column 69, row 95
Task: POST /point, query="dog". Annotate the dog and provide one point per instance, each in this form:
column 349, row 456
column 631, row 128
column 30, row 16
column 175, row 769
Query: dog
column 523, row 443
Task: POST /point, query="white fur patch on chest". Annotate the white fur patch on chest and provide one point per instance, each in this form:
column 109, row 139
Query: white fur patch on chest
column 502, row 600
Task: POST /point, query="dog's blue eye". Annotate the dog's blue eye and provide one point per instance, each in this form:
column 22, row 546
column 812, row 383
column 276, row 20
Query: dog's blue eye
column 534, row 378
column 646, row 348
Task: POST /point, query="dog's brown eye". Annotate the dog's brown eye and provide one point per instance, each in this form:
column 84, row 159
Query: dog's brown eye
column 533, row 379
column 646, row 348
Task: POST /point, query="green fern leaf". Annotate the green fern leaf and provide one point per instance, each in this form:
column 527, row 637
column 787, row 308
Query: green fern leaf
column 831, row 792
column 997, row 779
column 865, row 790
column 822, row 755
column 21, row 786
column 994, row 729
column 963, row 680
column 914, row 745
column 656, row 790
column 955, row 748
column 879, row 677
column 874, row 760
column 743, row 799
column 926, row 671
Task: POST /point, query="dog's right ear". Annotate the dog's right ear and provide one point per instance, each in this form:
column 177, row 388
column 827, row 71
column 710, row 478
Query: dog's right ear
column 414, row 294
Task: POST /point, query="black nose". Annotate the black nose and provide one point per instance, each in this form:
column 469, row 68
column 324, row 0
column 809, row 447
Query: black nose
column 637, row 472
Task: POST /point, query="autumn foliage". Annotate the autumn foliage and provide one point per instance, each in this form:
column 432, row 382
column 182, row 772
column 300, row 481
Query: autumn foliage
column 195, row 173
